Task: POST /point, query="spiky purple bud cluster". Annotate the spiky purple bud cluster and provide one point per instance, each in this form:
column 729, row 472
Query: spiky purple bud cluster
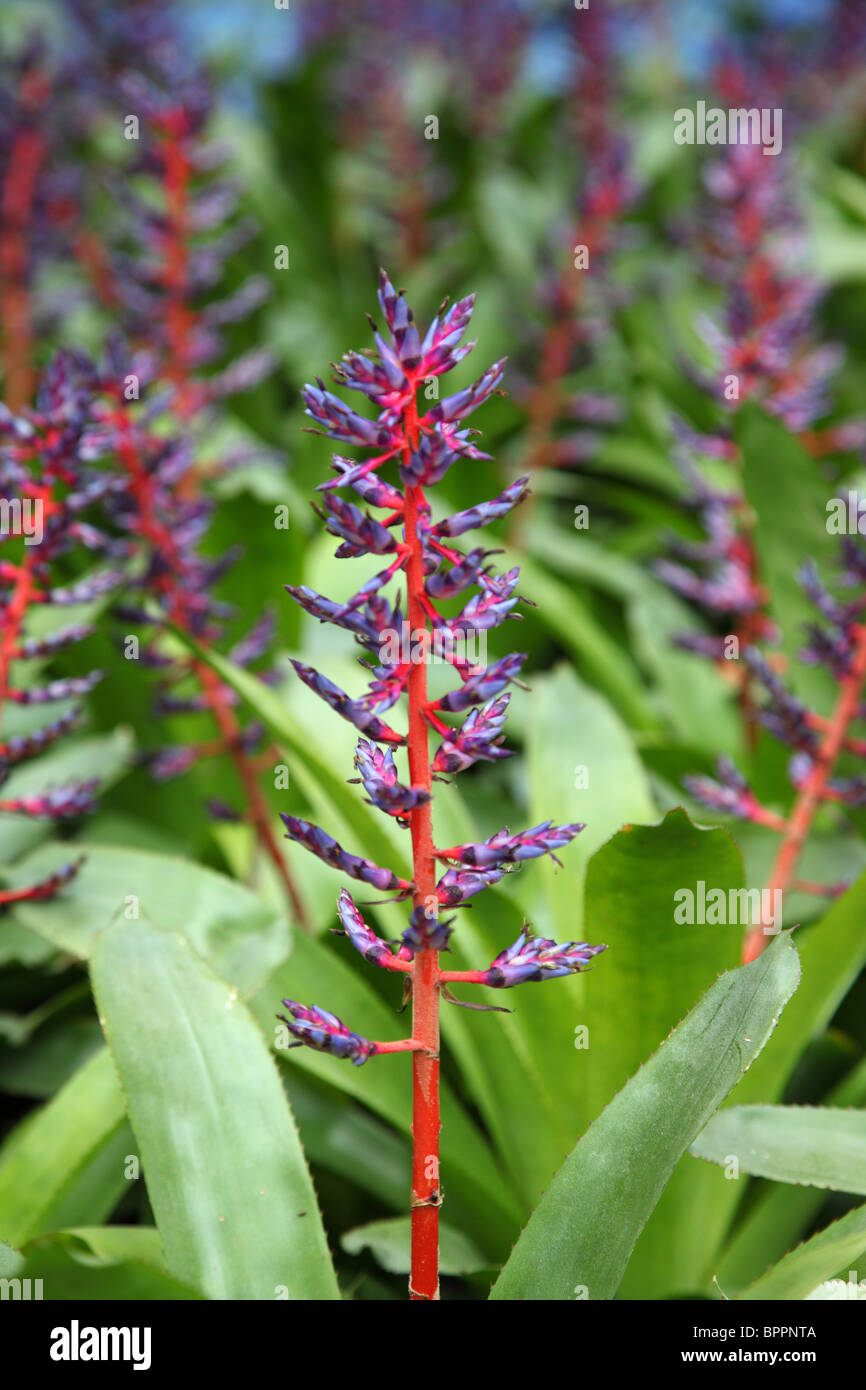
column 379, row 776
column 323, row 1031
column 534, row 958
column 46, row 468
column 419, row 450
column 837, row 641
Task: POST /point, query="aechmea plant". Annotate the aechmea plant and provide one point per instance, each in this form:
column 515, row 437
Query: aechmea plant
column 173, row 221
column 766, row 348
column 818, row 742
column 48, row 491
column 170, row 584
column 418, row 553
column 605, row 191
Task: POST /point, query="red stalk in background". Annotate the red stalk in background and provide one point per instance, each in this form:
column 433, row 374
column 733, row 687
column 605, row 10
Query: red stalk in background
column 814, row 791
column 16, row 212
column 169, row 581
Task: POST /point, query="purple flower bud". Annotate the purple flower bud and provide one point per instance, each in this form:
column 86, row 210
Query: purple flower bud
column 439, row 350
column 256, row 642
column 481, row 687
column 86, row 590
column 47, row 887
column 456, row 886
column 378, row 772
column 505, row 848
column 353, row 710
column 61, row 689
column 425, row 933
column 323, row 1031
column 478, row 739
column 730, row 793
column 490, row 607
column 220, row 810
column 362, row 937
column 484, row 512
column 385, row 383
column 20, row 747
column 458, row 406
column 341, row 422
column 437, row 451
column 362, row 535
column 448, row 583
column 784, row 715
column 318, row 842
column 368, row 486
column 401, row 326
column 534, row 958
column 849, row 791
column 171, row 762
column 57, row 803
column 30, row 647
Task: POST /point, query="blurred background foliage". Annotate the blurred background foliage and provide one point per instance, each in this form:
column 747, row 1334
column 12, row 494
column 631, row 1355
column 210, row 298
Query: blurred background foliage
column 543, row 129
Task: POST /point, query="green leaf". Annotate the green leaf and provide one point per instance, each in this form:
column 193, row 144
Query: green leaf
column 832, row 954
column 811, row 1144
column 581, row 1235
column 570, row 728
column 815, row 1260
column 697, row 702
column 64, row 1163
column 586, row 639
column 787, row 493
column 86, row 1266
column 781, row 1214
column 10, row 1260
column 232, row 928
column 340, row 1135
column 390, row 1242
column 654, row 971
column 225, row 1172
column 584, row 767
column 121, row 1243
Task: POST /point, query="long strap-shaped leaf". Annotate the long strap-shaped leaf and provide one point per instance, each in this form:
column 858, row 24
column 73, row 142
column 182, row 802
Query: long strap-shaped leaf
column 225, row 1172
column 812, row 1144
column 815, row 1261
column 579, row 1238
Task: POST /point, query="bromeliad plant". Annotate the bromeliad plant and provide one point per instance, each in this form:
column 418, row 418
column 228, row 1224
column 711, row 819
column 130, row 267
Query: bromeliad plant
column 42, row 466
column 420, row 551
column 818, row 742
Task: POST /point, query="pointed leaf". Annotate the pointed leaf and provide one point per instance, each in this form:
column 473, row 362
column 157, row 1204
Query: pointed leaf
column 581, row 1235
column 225, row 1172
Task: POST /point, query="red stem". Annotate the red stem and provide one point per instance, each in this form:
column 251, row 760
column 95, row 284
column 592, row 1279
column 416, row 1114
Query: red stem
column 813, row 791
column 16, row 212
column 424, row 1278
column 179, row 317
column 213, row 689
column 13, row 618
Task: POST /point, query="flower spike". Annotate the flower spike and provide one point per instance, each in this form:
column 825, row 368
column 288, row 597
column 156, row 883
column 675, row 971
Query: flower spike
column 397, row 640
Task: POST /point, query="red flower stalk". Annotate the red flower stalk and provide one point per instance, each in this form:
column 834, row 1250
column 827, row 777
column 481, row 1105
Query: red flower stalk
column 819, row 742
column 166, row 247
column 605, row 192
column 422, row 448
column 150, row 504
column 22, row 171
column 767, row 344
column 47, row 490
